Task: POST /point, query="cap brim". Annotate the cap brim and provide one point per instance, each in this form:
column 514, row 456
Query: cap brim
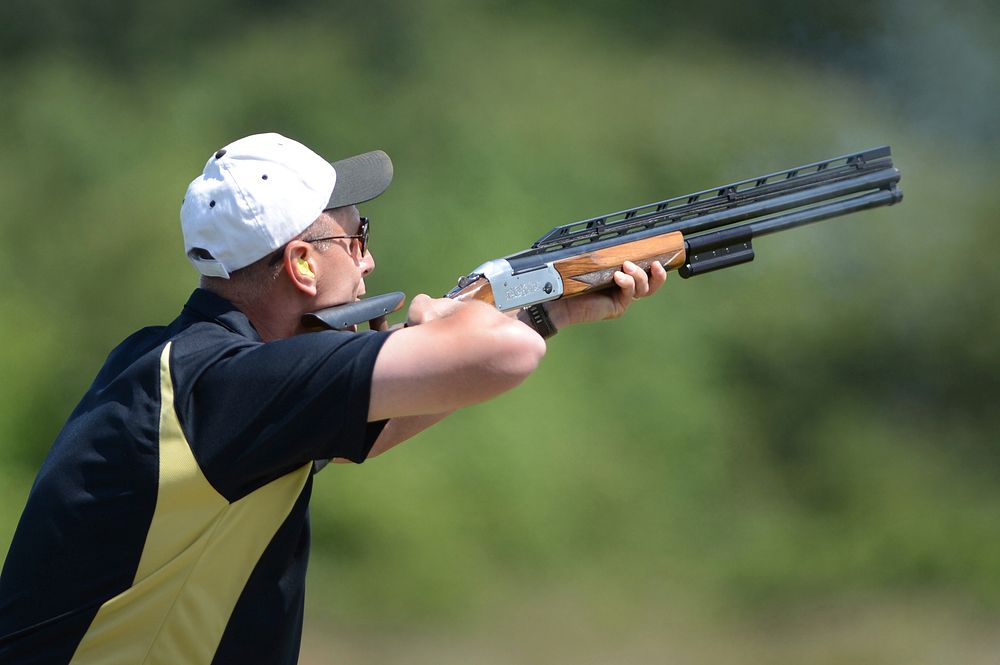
column 360, row 178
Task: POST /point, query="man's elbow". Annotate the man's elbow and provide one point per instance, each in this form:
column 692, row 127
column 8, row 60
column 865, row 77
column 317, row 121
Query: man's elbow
column 520, row 350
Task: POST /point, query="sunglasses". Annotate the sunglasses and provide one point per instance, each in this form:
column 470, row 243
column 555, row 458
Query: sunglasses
column 361, row 235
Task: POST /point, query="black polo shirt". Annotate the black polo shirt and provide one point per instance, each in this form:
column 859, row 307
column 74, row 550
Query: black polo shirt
column 169, row 522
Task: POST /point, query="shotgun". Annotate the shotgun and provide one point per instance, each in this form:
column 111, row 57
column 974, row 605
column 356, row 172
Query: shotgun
column 694, row 234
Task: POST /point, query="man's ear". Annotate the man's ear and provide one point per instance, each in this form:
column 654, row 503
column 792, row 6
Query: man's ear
column 300, row 268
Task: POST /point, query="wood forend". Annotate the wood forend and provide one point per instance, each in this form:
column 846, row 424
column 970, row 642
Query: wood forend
column 591, row 271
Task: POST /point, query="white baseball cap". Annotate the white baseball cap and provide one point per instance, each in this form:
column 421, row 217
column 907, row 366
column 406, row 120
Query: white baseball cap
column 259, row 192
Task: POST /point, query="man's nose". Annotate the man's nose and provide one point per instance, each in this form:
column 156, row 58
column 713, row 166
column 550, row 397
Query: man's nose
column 367, row 262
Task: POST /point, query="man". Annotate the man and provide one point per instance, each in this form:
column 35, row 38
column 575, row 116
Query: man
column 169, row 521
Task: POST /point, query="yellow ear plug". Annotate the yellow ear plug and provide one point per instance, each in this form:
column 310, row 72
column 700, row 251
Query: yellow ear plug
column 304, row 268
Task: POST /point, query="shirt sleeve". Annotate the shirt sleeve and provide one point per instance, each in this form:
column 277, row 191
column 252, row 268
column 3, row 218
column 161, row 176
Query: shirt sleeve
column 254, row 411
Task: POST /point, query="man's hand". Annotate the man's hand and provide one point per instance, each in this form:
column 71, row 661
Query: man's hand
column 423, row 308
column 633, row 283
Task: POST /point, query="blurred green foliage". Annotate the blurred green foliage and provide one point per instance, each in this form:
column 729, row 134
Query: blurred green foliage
column 817, row 424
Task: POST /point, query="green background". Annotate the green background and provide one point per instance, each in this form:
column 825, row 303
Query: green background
column 792, row 461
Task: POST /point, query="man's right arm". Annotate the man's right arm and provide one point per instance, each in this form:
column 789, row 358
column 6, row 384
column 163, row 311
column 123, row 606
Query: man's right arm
column 450, row 355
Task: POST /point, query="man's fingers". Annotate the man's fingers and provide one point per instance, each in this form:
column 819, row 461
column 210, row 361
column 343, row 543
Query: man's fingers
column 630, row 283
column 423, row 308
column 657, row 276
column 626, row 283
column 640, row 278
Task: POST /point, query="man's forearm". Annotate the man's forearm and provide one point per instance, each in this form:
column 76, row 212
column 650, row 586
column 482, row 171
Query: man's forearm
column 400, row 429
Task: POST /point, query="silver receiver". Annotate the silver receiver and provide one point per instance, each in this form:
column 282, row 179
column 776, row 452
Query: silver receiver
column 513, row 290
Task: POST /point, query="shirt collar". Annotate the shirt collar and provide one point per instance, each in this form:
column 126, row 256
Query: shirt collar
column 208, row 306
